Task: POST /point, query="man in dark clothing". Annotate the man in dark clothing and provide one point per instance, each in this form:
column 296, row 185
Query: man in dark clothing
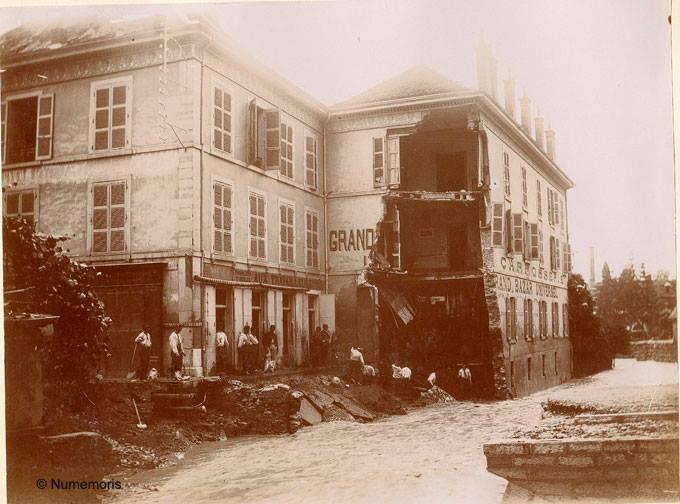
column 325, row 346
column 143, row 342
column 269, row 336
column 315, row 349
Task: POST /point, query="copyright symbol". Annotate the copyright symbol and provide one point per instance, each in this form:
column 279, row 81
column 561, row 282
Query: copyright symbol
column 41, row 483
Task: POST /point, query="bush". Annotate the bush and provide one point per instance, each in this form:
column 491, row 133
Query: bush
column 57, row 285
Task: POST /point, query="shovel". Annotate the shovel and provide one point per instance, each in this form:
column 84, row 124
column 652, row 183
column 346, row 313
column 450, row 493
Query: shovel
column 131, row 374
column 140, row 425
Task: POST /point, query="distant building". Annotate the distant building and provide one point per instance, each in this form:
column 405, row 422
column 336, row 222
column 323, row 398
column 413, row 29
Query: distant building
column 209, row 191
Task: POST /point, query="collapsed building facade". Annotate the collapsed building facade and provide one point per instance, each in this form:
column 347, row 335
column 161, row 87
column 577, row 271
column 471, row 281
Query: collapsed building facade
column 418, row 219
column 470, row 258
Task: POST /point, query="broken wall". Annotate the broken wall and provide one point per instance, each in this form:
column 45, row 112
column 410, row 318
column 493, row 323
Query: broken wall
column 419, row 157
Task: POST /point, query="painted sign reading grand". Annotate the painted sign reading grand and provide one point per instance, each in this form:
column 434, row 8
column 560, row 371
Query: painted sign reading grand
column 350, row 239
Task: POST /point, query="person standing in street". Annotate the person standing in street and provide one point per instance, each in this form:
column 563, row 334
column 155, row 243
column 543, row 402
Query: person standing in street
column 315, row 347
column 325, row 346
column 465, row 380
column 176, row 352
column 247, row 349
column 143, row 342
column 222, row 349
column 356, row 365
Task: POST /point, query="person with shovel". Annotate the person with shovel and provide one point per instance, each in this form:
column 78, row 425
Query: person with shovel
column 143, row 347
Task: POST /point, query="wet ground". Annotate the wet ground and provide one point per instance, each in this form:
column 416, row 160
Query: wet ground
column 432, row 454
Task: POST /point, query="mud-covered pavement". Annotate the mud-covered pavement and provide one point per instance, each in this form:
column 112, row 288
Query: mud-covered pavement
column 430, row 455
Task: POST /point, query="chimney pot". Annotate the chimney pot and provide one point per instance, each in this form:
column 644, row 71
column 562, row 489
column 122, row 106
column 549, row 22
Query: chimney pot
column 538, row 122
column 525, row 106
column 486, row 71
column 550, row 143
column 510, row 97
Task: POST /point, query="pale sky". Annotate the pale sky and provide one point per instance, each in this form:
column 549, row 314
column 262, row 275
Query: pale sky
column 599, row 70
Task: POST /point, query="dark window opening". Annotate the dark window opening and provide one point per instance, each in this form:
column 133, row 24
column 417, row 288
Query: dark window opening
column 256, row 312
column 287, row 324
column 21, row 130
column 451, row 172
column 543, row 364
column 529, row 368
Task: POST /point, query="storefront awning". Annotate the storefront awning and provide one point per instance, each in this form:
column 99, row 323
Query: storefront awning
column 240, row 283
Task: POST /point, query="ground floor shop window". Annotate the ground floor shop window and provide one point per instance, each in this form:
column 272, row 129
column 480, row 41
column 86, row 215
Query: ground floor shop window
column 221, row 310
column 256, row 313
column 543, row 364
column 529, row 368
column 511, row 319
column 287, row 303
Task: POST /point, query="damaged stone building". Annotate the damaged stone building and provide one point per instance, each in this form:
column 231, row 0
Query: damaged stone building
column 421, row 220
column 470, row 257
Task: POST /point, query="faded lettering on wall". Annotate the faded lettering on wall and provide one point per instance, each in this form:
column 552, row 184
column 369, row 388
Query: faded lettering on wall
column 350, row 239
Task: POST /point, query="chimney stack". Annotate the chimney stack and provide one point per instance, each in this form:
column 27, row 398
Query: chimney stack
column 592, row 266
column 538, row 122
column 486, row 70
column 510, row 97
column 550, row 143
column 525, row 110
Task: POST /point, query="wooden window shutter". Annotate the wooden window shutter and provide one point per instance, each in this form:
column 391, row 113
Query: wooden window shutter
column 526, row 250
column 378, row 162
column 252, row 132
column 540, row 246
column 534, row 241
column 509, row 232
column 518, row 233
column 44, row 127
column 3, row 126
column 557, row 253
column 497, row 225
column 273, row 125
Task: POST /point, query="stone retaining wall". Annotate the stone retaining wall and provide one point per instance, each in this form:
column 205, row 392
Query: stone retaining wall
column 659, row 350
column 588, row 467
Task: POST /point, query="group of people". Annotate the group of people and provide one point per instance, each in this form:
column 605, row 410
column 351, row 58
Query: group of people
column 248, row 350
column 143, row 346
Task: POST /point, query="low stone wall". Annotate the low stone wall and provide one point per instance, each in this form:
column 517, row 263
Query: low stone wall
column 640, row 467
column 655, row 350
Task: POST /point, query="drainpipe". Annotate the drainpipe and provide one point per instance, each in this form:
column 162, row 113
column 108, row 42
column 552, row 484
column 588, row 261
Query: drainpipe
column 204, row 328
column 325, row 209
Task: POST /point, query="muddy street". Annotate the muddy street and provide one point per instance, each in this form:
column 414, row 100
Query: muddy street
column 430, row 455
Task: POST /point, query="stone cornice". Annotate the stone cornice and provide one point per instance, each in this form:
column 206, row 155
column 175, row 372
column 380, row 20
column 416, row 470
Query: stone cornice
column 91, row 65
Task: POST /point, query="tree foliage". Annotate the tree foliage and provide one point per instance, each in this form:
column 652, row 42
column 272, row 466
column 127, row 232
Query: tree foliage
column 57, row 285
column 592, row 348
column 626, row 304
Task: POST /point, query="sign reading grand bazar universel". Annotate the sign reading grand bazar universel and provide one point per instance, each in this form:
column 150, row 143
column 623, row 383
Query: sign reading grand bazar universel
column 522, row 278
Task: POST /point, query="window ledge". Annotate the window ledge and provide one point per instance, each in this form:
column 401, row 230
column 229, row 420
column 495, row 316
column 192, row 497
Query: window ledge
column 26, row 164
column 103, row 256
column 110, row 153
column 222, row 255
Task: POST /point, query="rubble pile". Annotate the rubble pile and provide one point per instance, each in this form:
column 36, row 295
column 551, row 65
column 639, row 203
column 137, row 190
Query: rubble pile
column 436, row 394
column 228, row 408
column 261, row 409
